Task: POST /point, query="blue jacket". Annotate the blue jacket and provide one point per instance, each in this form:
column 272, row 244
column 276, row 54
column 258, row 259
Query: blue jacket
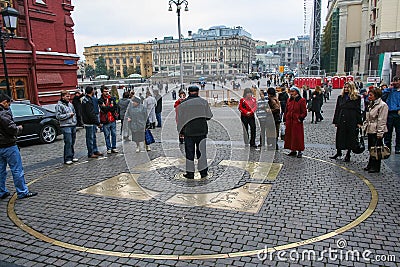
column 392, row 98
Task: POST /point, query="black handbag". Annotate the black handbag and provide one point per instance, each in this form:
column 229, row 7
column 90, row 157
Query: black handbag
column 360, row 145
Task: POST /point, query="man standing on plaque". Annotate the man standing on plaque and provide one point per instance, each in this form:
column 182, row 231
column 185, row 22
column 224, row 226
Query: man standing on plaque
column 193, row 114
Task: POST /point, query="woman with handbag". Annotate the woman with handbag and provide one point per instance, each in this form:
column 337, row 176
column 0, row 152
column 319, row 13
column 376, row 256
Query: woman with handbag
column 375, row 127
column 136, row 115
column 347, row 120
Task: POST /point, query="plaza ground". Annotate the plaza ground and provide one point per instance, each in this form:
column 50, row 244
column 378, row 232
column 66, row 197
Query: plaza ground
column 257, row 207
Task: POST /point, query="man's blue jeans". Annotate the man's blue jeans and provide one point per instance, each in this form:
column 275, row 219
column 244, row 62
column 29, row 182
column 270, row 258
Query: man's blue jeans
column 393, row 121
column 69, row 134
column 158, row 117
column 91, row 143
column 11, row 156
column 110, row 129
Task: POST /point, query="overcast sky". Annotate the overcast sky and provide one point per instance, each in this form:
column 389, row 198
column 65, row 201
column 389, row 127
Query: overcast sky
column 131, row 21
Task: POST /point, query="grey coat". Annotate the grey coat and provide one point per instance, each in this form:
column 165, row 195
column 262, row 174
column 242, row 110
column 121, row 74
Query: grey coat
column 63, row 111
column 138, row 116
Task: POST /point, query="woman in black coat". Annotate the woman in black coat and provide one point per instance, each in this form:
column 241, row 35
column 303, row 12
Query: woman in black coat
column 347, row 120
column 317, row 99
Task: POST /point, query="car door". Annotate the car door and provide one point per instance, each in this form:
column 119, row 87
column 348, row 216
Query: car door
column 29, row 118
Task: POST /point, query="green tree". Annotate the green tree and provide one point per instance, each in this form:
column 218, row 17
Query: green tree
column 125, row 71
column 131, row 70
column 111, row 73
column 89, row 70
column 101, row 67
column 137, row 70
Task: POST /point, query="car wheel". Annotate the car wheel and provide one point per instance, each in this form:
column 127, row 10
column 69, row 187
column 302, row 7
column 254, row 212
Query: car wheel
column 48, row 134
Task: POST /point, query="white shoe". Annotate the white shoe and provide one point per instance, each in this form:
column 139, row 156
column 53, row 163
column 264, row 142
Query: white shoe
column 114, row 150
column 75, row 160
column 137, row 149
column 69, row 162
column 108, row 151
column 148, row 148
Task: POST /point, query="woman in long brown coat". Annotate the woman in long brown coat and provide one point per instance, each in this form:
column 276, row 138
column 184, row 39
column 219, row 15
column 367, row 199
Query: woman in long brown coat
column 296, row 112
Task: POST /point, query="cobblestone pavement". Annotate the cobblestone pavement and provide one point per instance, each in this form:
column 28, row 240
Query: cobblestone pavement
column 316, row 206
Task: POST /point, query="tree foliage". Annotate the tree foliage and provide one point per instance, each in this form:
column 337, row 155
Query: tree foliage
column 89, row 71
column 101, row 67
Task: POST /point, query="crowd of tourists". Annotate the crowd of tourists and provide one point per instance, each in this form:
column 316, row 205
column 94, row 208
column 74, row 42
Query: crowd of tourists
column 373, row 112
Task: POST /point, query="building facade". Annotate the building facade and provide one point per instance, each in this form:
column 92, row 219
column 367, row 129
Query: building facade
column 216, row 51
column 292, row 53
column 41, row 58
column 364, row 36
column 123, row 59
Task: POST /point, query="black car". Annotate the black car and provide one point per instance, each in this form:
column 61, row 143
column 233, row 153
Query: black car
column 38, row 123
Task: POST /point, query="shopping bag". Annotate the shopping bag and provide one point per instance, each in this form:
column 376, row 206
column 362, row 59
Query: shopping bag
column 282, row 131
column 148, row 137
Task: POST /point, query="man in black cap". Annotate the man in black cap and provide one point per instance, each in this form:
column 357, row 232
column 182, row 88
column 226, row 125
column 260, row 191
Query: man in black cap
column 193, row 114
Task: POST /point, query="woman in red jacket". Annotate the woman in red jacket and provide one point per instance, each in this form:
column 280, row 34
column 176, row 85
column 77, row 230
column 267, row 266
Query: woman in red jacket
column 247, row 108
column 182, row 97
column 296, row 112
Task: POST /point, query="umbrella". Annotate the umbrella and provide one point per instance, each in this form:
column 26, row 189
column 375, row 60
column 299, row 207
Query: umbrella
column 101, row 77
column 134, row 75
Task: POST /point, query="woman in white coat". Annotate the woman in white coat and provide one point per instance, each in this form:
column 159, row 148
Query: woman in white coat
column 375, row 125
column 150, row 104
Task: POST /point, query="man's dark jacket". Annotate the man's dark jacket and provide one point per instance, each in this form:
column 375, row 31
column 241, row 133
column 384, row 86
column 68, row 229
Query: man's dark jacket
column 193, row 114
column 8, row 129
column 89, row 116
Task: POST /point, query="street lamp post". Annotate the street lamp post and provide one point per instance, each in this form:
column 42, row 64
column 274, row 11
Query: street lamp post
column 178, row 4
column 10, row 19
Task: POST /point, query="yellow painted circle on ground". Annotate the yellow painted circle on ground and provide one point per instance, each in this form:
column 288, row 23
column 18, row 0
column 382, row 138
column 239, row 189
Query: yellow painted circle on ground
column 371, row 207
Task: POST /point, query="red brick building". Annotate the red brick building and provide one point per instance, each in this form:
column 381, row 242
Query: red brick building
column 41, row 58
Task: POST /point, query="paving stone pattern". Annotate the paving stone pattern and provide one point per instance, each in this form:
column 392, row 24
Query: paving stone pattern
column 309, row 198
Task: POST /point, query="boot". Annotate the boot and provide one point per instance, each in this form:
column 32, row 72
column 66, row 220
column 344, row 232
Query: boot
column 368, row 167
column 375, row 166
column 347, row 157
column 137, row 147
column 338, row 154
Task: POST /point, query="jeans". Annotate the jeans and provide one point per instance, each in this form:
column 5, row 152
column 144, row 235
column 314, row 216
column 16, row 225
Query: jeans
column 196, row 144
column 393, row 121
column 158, row 117
column 110, row 129
column 246, row 121
column 91, row 143
column 11, row 156
column 69, row 134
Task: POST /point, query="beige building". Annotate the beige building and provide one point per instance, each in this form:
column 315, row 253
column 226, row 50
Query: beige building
column 131, row 57
column 216, row 51
column 365, row 36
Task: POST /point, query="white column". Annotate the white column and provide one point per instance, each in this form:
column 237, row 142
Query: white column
column 362, row 68
column 342, row 39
